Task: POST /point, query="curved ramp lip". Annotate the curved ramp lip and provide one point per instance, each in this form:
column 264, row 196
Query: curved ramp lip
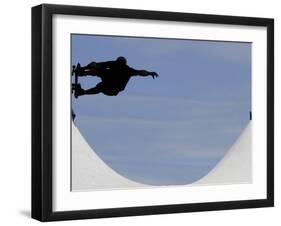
column 236, row 166
column 89, row 172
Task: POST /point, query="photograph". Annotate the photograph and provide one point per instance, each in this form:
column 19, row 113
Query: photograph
column 150, row 112
column 142, row 112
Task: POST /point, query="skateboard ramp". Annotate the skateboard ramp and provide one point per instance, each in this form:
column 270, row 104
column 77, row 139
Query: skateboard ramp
column 89, row 172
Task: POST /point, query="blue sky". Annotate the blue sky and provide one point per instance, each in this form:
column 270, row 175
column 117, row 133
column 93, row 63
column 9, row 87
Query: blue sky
column 173, row 129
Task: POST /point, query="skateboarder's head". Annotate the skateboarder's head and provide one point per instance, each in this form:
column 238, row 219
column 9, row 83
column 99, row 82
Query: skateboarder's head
column 121, row 60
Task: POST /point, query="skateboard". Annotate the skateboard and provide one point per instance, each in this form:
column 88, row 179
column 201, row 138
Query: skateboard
column 76, row 70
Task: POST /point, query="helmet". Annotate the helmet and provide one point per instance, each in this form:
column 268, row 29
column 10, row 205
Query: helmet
column 121, row 60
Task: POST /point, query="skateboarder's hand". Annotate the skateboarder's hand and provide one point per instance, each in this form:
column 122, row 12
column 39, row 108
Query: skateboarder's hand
column 154, row 74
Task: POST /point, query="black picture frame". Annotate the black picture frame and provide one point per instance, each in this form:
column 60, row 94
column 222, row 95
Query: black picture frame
column 42, row 111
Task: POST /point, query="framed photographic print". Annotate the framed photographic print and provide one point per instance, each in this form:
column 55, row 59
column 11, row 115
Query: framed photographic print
column 145, row 112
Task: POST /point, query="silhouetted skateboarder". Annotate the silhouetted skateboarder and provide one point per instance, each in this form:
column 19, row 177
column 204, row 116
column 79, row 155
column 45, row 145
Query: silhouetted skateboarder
column 114, row 76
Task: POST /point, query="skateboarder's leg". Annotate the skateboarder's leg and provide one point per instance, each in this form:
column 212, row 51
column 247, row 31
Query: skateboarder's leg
column 91, row 65
column 80, row 71
column 95, row 90
column 99, row 88
column 90, row 69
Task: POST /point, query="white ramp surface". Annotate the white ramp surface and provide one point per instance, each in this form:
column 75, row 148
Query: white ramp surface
column 89, row 172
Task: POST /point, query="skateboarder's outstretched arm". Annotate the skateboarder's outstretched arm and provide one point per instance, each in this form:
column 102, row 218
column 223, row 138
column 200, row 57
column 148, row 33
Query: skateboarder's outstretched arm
column 144, row 73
